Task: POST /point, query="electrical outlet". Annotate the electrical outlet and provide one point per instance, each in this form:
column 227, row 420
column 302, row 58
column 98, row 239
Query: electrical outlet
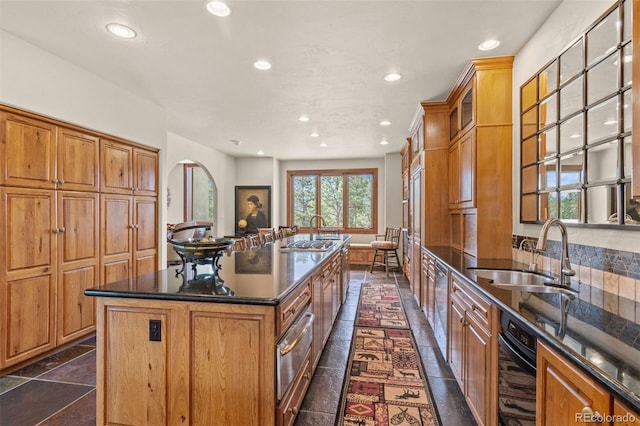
column 155, row 330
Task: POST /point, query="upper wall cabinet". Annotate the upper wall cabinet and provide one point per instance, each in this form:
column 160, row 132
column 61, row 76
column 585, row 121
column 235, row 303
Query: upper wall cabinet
column 128, row 170
column 577, row 160
column 65, row 159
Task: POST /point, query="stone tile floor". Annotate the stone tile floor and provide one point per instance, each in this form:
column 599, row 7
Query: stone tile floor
column 60, row 390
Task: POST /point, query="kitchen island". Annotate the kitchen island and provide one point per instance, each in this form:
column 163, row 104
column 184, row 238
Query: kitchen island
column 172, row 351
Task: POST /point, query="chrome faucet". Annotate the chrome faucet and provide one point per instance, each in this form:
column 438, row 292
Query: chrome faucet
column 565, row 266
column 316, row 217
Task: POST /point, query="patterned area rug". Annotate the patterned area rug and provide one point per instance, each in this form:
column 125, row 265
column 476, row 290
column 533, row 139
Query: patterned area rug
column 385, row 383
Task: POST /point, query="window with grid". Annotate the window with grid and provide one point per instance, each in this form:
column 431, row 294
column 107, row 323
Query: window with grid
column 346, row 199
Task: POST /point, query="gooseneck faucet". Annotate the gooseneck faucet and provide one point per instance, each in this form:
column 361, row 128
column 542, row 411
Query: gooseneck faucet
column 317, row 218
column 565, row 266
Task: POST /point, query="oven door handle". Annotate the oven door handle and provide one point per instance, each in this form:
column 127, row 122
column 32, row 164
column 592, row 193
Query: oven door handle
column 516, row 356
column 288, row 348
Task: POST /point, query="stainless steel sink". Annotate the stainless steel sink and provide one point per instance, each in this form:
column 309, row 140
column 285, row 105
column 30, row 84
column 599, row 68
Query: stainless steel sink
column 531, row 282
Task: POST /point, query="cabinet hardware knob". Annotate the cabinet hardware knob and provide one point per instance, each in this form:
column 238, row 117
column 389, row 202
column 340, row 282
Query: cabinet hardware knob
column 291, row 310
column 293, row 410
column 474, row 307
column 307, row 376
column 55, row 230
column 61, row 230
column 54, row 181
column 462, row 321
column 61, row 181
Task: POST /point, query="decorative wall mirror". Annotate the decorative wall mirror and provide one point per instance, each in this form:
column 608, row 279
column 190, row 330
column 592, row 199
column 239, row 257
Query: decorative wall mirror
column 575, row 133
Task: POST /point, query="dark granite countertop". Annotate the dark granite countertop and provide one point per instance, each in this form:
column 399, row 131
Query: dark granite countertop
column 602, row 344
column 257, row 276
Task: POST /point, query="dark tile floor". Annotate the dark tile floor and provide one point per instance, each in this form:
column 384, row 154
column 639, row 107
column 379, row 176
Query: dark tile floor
column 60, row 390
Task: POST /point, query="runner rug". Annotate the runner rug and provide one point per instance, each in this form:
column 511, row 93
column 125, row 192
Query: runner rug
column 385, row 382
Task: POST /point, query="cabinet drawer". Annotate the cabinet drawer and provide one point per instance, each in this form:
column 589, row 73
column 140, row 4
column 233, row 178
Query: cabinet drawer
column 290, row 404
column 476, row 305
column 292, row 306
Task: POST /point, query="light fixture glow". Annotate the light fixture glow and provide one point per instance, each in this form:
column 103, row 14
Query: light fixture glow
column 218, row 8
column 393, row 76
column 610, row 122
column 314, row 134
column 121, row 31
column 575, row 136
column 303, row 118
column 261, row 152
column 385, row 123
column 488, row 45
column 262, row 65
column 384, row 142
column 323, row 144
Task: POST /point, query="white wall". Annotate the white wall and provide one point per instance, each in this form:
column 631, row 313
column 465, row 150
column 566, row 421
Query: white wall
column 568, row 21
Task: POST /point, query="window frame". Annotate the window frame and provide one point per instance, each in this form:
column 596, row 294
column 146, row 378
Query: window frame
column 345, row 173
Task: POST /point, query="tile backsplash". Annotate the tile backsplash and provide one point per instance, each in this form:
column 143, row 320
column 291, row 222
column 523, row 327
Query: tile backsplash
column 606, row 278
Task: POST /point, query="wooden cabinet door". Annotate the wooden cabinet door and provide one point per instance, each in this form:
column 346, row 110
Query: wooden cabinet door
column 145, row 166
column 456, row 339
column 316, row 308
column 27, row 273
column 78, row 258
column 145, row 234
column 477, row 368
column 563, row 392
column 454, row 175
column 116, row 237
column 78, row 161
column 140, row 398
column 624, row 416
column 116, row 167
column 27, row 152
column 467, row 169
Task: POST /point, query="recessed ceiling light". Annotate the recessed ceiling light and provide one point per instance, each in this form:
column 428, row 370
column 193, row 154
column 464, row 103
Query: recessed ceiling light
column 120, row 30
column 261, row 152
column 262, row 65
column 488, row 45
column 314, row 134
column 384, row 142
column 303, row 118
column 394, row 76
column 610, row 122
column 385, row 123
column 218, row 8
column 323, row 144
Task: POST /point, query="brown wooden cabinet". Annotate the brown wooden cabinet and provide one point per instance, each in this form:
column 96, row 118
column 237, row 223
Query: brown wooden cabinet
column 28, row 271
column 78, row 235
column 50, row 252
column 428, row 283
column 473, row 349
column 129, row 210
column 325, row 290
column 480, row 189
column 128, row 169
column 564, row 392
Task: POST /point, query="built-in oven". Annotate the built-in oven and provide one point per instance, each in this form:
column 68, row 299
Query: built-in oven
column 441, row 302
column 292, row 351
column 516, row 373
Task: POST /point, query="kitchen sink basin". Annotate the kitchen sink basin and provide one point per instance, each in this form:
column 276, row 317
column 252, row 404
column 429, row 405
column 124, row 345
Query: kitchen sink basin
column 528, row 281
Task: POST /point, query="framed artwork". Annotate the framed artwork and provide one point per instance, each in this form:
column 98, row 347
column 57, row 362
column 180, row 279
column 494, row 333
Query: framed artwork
column 254, row 261
column 253, row 209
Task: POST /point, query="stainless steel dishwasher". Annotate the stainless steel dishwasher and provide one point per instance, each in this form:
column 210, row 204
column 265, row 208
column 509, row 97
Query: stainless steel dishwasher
column 441, row 307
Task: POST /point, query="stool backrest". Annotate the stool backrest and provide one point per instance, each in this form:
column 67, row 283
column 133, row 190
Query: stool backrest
column 393, row 235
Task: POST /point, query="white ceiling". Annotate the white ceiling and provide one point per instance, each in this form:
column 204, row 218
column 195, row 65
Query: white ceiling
column 329, row 59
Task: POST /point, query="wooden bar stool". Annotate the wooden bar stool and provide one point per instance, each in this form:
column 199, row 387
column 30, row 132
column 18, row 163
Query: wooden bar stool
column 386, row 250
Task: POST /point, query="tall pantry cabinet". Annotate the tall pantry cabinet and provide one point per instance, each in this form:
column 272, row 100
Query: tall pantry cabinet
column 50, row 233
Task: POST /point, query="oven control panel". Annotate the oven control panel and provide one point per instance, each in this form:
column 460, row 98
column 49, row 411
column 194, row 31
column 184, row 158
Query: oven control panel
column 522, row 336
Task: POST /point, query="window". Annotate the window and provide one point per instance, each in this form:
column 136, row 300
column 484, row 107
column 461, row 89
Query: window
column 199, row 194
column 576, row 129
column 345, row 199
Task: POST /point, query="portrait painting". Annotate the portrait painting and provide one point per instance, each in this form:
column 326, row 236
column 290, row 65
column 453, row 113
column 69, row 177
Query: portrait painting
column 253, row 209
